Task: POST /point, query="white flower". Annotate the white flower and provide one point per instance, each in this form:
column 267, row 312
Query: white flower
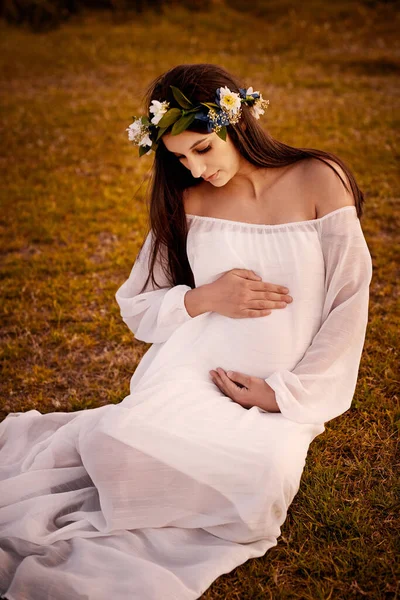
column 229, row 101
column 139, row 134
column 257, row 111
column 134, row 130
column 145, row 140
column 258, row 106
column 158, row 109
column 250, row 91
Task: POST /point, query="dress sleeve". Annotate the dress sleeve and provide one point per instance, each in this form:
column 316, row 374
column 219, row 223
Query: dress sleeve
column 156, row 313
column 322, row 384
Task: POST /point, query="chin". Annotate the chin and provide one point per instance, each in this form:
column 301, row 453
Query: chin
column 218, row 181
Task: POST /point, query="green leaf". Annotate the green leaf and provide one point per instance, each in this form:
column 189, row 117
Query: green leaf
column 145, row 121
column 182, row 124
column 143, row 150
column 181, row 98
column 210, row 105
column 192, row 110
column 172, row 115
column 222, row 133
column 161, row 131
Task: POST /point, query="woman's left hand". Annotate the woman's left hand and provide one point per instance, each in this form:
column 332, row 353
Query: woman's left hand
column 255, row 390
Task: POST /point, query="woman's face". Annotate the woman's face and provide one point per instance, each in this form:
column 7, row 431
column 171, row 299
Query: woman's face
column 205, row 154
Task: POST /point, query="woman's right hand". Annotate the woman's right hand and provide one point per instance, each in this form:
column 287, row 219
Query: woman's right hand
column 241, row 293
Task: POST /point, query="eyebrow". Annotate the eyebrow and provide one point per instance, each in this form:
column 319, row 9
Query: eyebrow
column 194, row 145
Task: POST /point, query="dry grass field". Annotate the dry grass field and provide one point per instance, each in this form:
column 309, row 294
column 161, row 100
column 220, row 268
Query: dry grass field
column 73, row 218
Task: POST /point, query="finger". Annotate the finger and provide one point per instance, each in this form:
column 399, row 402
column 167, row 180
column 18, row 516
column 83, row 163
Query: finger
column 272, row 296
column 268, row 287
column 265, row 305
column 239, row 378
column 219, row 383
column 231, row 387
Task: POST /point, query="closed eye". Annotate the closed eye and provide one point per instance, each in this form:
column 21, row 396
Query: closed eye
column 204, row 151
column 199, row 151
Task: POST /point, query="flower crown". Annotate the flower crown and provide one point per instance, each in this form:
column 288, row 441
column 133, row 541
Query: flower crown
column 224, row 111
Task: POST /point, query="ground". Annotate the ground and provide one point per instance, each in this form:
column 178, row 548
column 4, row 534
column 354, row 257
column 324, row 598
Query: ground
column 74, row 216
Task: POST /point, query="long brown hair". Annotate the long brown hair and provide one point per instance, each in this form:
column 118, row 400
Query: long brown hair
column 167, row 218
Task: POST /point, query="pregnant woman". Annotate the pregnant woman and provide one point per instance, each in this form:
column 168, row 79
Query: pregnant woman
column 252, row 286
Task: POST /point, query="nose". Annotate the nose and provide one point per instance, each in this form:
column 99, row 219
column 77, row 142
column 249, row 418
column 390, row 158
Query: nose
column 197, row 168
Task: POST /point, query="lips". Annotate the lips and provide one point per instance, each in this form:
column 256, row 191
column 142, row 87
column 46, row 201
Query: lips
column 211, row 176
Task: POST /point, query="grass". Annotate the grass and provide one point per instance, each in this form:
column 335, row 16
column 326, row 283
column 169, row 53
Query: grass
column 73, row 218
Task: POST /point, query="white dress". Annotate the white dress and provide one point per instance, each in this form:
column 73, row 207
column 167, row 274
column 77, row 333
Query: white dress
column 155, row 497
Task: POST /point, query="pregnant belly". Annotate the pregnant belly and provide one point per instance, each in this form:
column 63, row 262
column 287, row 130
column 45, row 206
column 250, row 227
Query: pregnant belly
column 255, row 346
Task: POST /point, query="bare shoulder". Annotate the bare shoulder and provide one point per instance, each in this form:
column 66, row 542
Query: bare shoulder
column 324, row 186
column 192, row 199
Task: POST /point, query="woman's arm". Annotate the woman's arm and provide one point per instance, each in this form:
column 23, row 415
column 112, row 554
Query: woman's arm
column 156, row 313
column 322, row 384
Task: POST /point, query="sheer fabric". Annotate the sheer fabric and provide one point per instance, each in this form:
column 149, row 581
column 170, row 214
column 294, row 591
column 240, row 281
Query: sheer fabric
column 156, row 313
column 157, row 496
column 322, row 384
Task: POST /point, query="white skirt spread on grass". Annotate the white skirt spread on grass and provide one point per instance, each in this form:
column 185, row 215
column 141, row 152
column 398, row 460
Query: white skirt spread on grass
column 157, row 496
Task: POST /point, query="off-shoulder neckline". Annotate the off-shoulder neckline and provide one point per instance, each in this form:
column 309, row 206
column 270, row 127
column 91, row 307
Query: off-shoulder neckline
column 266, row 226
